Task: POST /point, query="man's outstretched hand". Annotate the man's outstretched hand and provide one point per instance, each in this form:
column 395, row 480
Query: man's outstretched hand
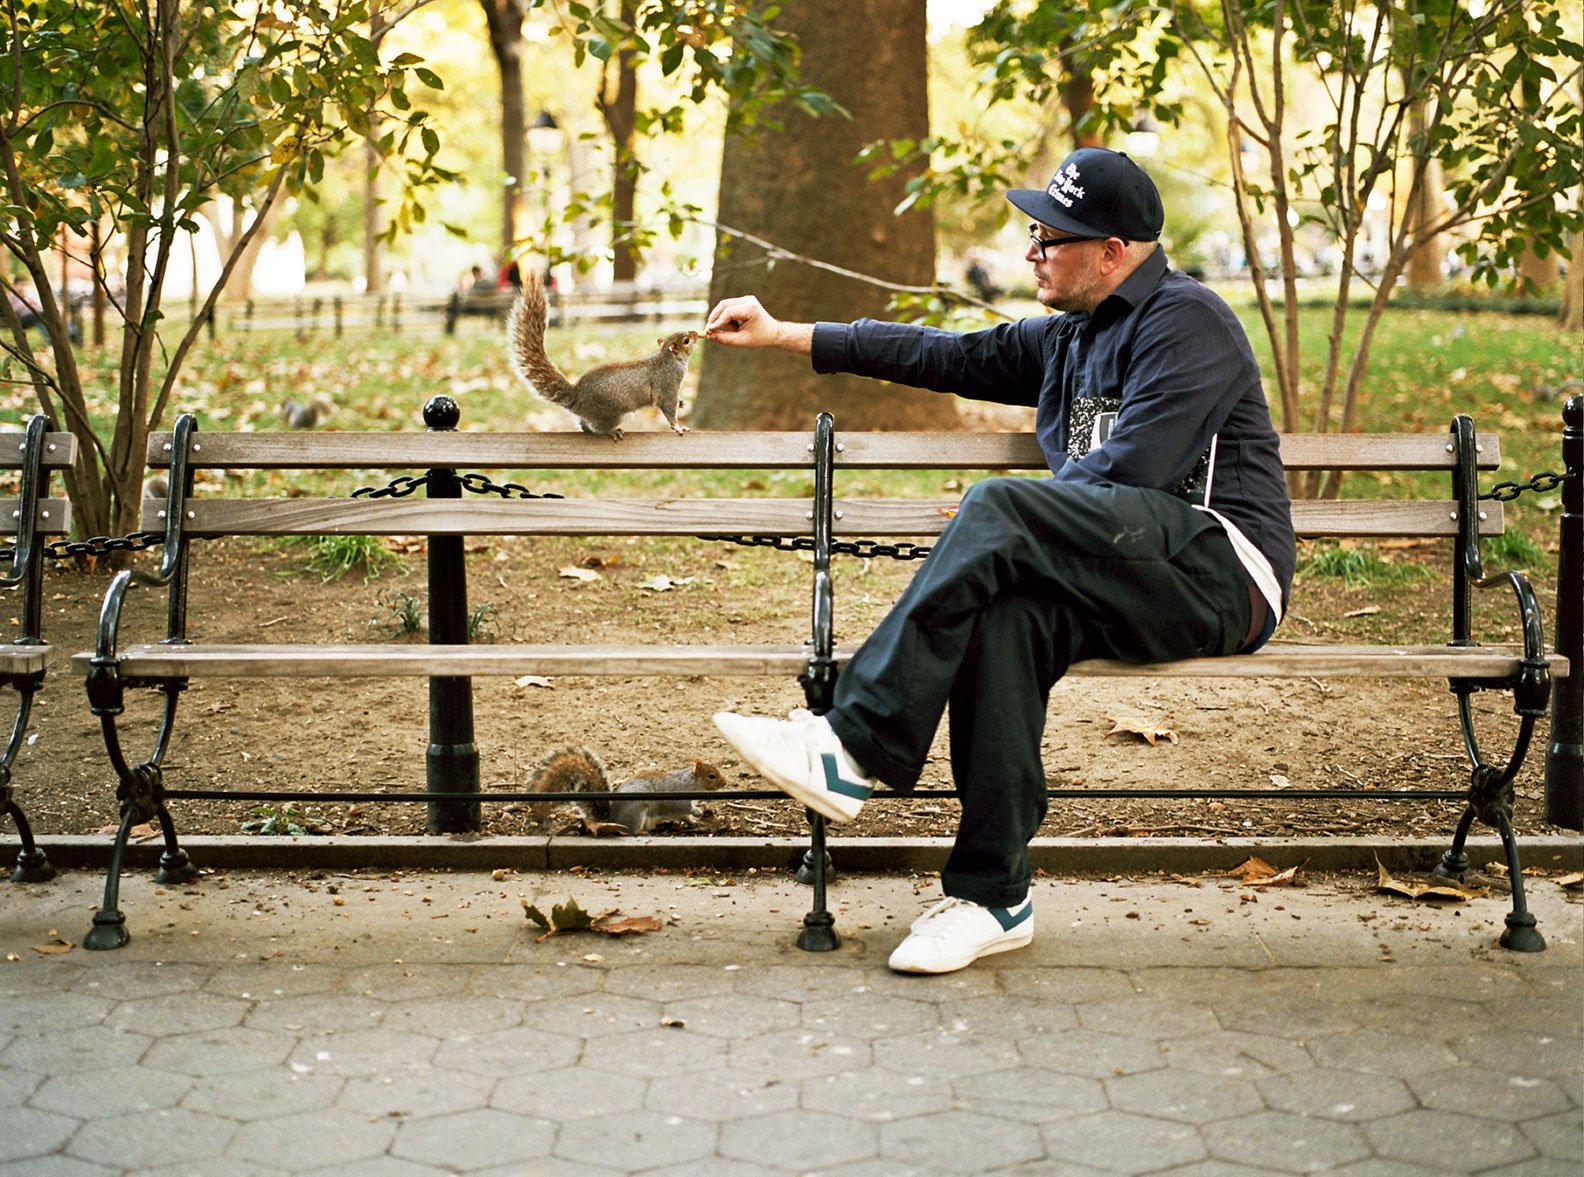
column 743, row 322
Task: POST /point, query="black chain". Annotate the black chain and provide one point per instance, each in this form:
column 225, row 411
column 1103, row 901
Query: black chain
column 864, row 549
column 400, row 488
column 1506, row 492
column 480, row 484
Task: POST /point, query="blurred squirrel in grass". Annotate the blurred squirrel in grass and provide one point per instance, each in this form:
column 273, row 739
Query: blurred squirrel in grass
column 579, row 770
column 602, row 396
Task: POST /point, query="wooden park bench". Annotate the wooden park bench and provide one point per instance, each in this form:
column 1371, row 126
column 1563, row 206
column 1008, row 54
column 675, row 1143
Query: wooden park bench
column 823, row 524
column 28, row 520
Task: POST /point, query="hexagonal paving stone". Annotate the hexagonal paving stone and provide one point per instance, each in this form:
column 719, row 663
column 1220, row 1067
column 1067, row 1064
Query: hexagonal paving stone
column 1235, row 1054
column 593, row 1015
column 88, row 1048
column 533, row 985
column 317, row 1013
column 55, row 1166
column 1523, row 1052
column 1290, row 1017
column 959, row 1142
column 312, row 1140
column 16, row 1085
column 453, row 1017
column 798, row 1140
column 1560, row 1135
column 1183, row 1096
column 219, row 1052
column 209, row 1167
column 131, row 979
column 475, row 1140
column 1007, row 1016
column 1029, row 1093
column 719, row 1167
column 259, row 1094
column 937, row 1052
column 144, row 1141
column 569, row 1093
column 642, row 1140
column 731, row 1015
column 877, row 1096
column 1091, row 1053
column 1452, row 1142
column 1478, row 1091
column 520, row 1050
column 1284, row 1142
column 428, row 1091
column 365, row 1052
column 1380, row 1167
column 1381, row 1054
column 36, row 1013
column 1152, row 1018
column 1123, row 1142
column 1351, row 1096
column 869, row 1016
column 793, row 1055
column 177, row 1013
column 30, row 1132
column 654, row 1054
column 1067, row 986
column 723, row 1094
column 670, row 982
column 113, row 1091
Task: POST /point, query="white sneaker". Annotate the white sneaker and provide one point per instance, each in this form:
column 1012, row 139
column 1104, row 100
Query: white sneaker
column 802, row 756
column 955, row 933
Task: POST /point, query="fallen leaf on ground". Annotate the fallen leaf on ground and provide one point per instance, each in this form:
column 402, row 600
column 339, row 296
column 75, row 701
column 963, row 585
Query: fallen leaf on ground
column 1367, row 611
column 583, row 574
column 53, row 947
column 570, row 917
column 1440, row 889
column 1572, row 882
column 661, row 583
column 1256, row 872
column 1145, row 729
column 532, row 680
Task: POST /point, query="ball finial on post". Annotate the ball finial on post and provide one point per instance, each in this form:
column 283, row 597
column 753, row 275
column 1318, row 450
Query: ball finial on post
column 441, row 412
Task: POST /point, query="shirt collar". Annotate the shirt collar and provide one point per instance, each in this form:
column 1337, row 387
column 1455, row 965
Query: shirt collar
column 1137, row 285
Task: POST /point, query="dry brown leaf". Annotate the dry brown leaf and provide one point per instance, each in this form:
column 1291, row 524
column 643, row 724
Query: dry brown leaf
column 1252, row 869
column 1145, row 729
column 583, row 574
column 626, row 927
column 1440, row 889
column 53, row 947
column 1572, row 882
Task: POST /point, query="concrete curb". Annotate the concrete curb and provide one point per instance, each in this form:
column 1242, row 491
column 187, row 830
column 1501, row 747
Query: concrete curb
column 852, row 855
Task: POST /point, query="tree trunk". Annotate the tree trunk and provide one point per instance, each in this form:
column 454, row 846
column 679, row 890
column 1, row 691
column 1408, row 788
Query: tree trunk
column 1573, row 291
column 800, row 189
column 1426, row 261
column 618, row 104
column 505, row 21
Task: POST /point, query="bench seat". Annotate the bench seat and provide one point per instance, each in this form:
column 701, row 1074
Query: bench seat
column 1277, row 660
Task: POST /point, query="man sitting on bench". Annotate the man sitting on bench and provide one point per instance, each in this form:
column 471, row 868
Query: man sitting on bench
column 1164, row 533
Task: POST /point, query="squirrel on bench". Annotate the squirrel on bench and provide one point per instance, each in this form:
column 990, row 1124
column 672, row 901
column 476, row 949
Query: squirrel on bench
column 603, row 395
column 579, row 770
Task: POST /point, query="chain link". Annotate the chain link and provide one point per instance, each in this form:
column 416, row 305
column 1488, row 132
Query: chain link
column 480, row 484
column 1506, row 492
column 397, row 488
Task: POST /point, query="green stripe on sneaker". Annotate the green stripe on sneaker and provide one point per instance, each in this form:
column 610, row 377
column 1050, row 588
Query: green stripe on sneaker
column 836, row 784
column 1007, row 919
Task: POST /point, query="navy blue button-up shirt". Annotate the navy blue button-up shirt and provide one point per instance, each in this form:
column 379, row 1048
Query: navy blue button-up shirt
column 1168, row 347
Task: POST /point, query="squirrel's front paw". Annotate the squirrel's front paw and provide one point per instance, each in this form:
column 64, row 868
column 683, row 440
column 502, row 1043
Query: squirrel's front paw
column 680, row 428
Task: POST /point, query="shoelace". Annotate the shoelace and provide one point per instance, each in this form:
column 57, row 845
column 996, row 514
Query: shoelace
column 941, row 919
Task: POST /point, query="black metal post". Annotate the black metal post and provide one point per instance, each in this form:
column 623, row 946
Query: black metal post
column 452, row 763
column 1564, row 763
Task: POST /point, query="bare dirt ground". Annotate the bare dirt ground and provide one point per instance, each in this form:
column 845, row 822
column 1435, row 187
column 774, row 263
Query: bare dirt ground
column 1374, row 736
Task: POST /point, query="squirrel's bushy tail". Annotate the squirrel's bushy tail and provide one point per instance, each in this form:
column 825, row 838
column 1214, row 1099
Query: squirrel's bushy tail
column 525, row 328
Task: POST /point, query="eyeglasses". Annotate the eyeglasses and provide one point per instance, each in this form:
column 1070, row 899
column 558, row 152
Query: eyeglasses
column 1044, row 243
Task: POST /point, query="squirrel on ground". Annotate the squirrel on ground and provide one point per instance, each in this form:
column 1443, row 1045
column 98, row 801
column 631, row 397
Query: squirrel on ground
column 306, row 416
column 579, row 770
column 602, row 396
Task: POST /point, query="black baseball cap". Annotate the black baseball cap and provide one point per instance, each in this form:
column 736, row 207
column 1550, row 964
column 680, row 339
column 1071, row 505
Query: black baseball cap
column 1096, row 193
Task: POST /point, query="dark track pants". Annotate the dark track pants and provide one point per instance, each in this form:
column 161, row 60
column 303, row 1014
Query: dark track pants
column 1030, row 577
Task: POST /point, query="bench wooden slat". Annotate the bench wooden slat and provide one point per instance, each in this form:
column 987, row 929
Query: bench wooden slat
column 783, row 517
column 356, row 661
column 54, row 516
column 60, row 450
column 745, row 450
column 16, row 659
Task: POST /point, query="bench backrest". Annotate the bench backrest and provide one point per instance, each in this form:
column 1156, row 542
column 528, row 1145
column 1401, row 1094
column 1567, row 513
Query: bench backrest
column 55, row 452
column 765, row 515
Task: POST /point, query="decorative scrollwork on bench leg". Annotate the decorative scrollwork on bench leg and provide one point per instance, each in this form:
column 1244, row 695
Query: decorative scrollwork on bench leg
column 1491, row 797
column 142, row 797
column 32, row 865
